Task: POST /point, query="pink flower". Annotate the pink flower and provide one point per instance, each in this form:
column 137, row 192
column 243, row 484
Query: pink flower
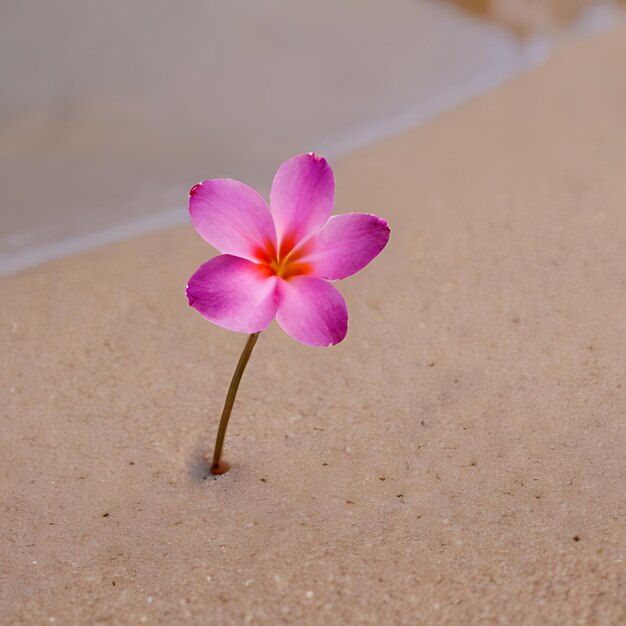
column 277, row 262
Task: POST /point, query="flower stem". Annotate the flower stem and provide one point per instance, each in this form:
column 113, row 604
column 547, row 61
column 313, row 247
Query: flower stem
column 218, row 466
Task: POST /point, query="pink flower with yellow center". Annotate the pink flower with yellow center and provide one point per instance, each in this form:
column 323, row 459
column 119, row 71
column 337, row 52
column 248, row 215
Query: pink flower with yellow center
column 277, row 261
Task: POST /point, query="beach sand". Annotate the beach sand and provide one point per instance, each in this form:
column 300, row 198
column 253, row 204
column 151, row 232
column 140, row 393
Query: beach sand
column 531, row 17
column 459, row 459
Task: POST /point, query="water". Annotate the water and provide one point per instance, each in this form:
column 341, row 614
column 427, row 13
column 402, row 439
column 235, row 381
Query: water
column 112, row 111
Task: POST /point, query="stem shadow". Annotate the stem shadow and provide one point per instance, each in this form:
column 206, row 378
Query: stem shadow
column 197, row 466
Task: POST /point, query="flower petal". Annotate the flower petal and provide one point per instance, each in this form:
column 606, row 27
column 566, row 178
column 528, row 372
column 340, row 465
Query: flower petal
column 346, row 244
column 311, row 311
column 232, row 217
column 233, row 293
column 301, row 197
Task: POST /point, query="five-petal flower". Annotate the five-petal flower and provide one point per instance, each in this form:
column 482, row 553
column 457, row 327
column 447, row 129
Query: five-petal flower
column 276, row 263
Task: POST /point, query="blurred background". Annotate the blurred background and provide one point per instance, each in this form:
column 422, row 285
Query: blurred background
column 111, row 111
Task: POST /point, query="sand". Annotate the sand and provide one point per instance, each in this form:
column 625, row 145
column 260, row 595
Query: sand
column 526, row 17
column 458, row 459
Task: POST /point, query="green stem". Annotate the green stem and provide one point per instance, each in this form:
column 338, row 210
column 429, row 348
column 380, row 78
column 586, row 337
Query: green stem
column 228, row 405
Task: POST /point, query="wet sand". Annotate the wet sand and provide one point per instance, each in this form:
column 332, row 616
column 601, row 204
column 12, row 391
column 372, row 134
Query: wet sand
column 458, row 459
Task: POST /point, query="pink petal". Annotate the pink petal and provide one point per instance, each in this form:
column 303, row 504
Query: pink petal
column 347, row 244
column 233, row 293
column 301, row 197
column 232, row 217
column 311, row 311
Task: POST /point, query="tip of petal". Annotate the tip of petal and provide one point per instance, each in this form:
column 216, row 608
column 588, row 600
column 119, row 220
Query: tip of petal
column 317, row 157
column 381, row 221
column 190, row 298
